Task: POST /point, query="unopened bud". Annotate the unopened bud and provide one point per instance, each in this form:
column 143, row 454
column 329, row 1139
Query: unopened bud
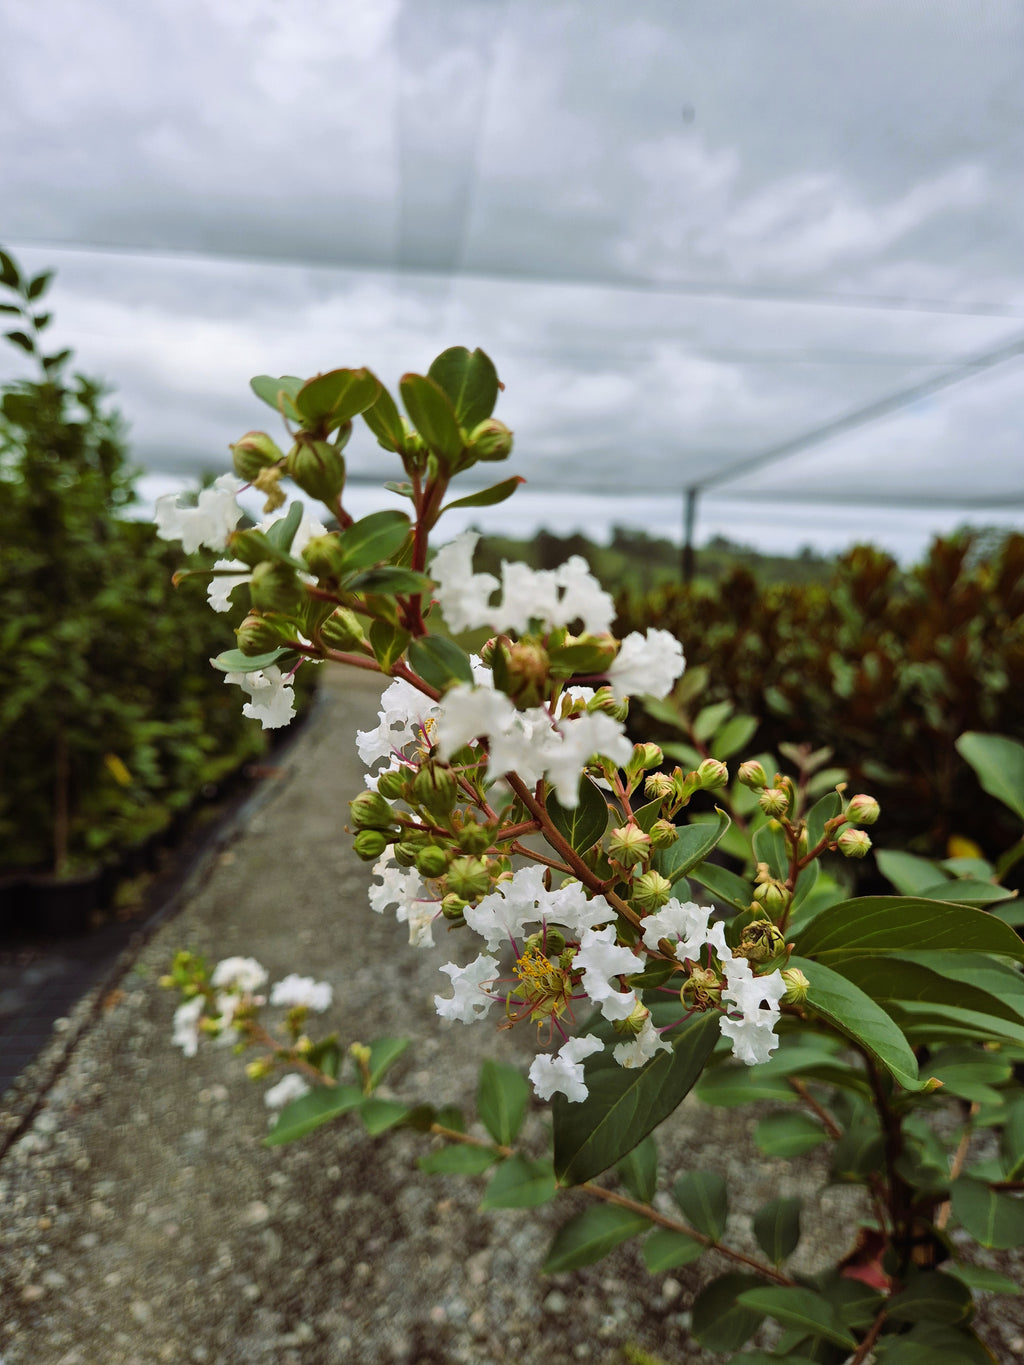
column 773, row 896
column 474, row 838
column 251, row 547
column 371, row 811
column 774, row 801
column 469, row 877
column 663, row 834
column 752, row 775
column 644, row 757
column 256, row 634
column 254, row 452
column 406, row 852
column 325, row 556
column 650, row 891
column 605, row 701
column 318, row 468
column 275, row 587
column 391, row 783
column 435, row 789
column 658, row 786
column 853, row 843
column 797, row 985
column 863, row 810
column 369, row 844
column 260, row 1069
column 491, row 440
column 629, row 845
column 527, row 670
column 712, row 774
column 431, row 861
column 343, row 631
column 452, row 906
column 634, row 1022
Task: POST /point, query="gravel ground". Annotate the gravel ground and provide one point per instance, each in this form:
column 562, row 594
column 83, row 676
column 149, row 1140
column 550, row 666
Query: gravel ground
column 143, row 1221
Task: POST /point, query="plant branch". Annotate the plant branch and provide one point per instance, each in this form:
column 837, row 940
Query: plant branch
column 831, row 1127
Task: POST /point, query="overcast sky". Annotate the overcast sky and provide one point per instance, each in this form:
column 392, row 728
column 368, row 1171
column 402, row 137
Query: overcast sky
column 689, row 232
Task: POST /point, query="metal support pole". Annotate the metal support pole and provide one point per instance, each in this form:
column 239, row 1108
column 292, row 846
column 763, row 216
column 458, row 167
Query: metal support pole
column 689, row 524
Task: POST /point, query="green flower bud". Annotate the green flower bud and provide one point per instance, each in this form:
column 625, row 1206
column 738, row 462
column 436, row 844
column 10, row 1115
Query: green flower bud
column 551, row 943
column 435, row 789
column 760, row 941
column 658, row 786
column 257, row 634
column 251, row 547
column 371, row 811
column 253, row 452
column 797, row 985
column 650, row 891
column 663, row 834
column 474, row 838
column 629, row 845
column 470, row 877
column 391, row 783
column 275, row 587
column 752, row 775
column 712, row 774
column 318, row 468
column 527, row 671
column 325, row 557
column 489, row 646
column 773, row 896
column 643, row 758
column 853, row 843
column 605, row 700
column 343, row 631
column 406, row 852
column 491, row 440
column 431, row 861
column 452, row 906
column 369, row 844
column 863, row 810
column 774, row 801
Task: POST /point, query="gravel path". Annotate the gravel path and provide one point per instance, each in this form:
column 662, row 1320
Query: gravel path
column 143, row 1221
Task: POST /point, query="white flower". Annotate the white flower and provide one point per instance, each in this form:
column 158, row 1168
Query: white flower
column 583, row 598
column 461, row 594
column 398, row 887
column 571, row 906
column 601, row 960
column 647, row 664
column 564, row 1072
column 404, row 716
column 288, row 1088
column 641, row 1048
column 503, row 914
column 582, row 737
column 294, row 990
column 273, row 700
column 240, row 974
column 421, row 923
column 685, row 921
column 526, row 594
column 753, row 1037
column 470, row 1001
column 226, row 1005
column 210, row 522
column 186, row 1025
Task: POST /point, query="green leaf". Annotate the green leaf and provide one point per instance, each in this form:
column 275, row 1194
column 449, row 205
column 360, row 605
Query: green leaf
column 889, row 924
column 799, row 1308
column 39, row 285
column 390, row 580
column 694, row 843
column 379, row 1115
column 764, row 1358
column 583, row 824
column 769, row 843
column 336, row 397
column 388, row 643
column 847, row 1008
column 9, row 272
column 736, row 734
column 710, row 718
column 704, row 1200
column 932, row 1298
column 724, row 885
column 1012, row 1141
column 432, row 415
column 624, row 1104
column 234, row 661
column 665, row 1249
column 10, row 307
column 656, row 973
column 278, row 393
column 980, row 1277
column 777, row 1228
column 591, row 1235
column 385, row 421
column 908, row 873
column 638, row 1170
column 487, row 497
column 383, row 1053
column 458, row 1159
column 966, row 980
column 685, row 753
column 967, row 891
column 439, row 661
column 999, row 764
column 820, row 813
column 373, row 539
column 721, row 1322
column 281, row 533
column 993, row 1219
column 857, row 1153
column 520, row 1183
column 788, row 1134
column 501, row 1099
column 20, row 339
column 729, row 1086
column 311, row 1110
column 470, row 381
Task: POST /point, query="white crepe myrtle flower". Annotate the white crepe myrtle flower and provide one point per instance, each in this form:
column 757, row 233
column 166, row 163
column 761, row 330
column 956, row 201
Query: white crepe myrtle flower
column 467, row 713
column 601, row 960
column 641, row 1048
column 185, row 1026
column 239, row 974
column 503, row 914
column 209, row 523
column 646, row 664
column 461, row 594
column 227, row 1005
column 688, row 923
column 470, row 1001
column 420, row 919
column 405, row 713
column 582, row 737
column 399, row 886
column 293, row 990
column 582, row 598
column 564, row 1072
column 288, row 1088
column 273, row 699
column 753, row 1037
column 526, row 594
column 572, row 907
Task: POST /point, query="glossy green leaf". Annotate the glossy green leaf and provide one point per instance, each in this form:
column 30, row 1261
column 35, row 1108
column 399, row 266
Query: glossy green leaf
column 788, row 1134
column 769, row 843
column 827, row 808
column 439, row 661
column 487, row 497
column 847, row 1008
column 383, row 1053
column 390, row 580
column 981, row 1277
column 373, row 539
column 729, row 1086
column 965, row 980
column 665, row 1249
column 992, row 1218
column 520, row 1183
column 999, row 764
column 591, row 1235
column 379, row 1115
column 388, row 643
column 624, row 1104
column 278, row 394
column 734, row 735
column 584, row 824
column 638, row 1170
column 337, row 396
column 890, row 924
column 799, row 1308
column 432, row 415
column 710, row 718
column 723, row 885
column 234, row 661
column 931, row 1297
column 470, row 381
column 693, row 845
column 704, row 1199
column 385, row 421
column 457, row 1160
column 966, row 891
column 908, row 873
column 720, row 1321
column 281, row 533
column 777, row 1228
column 501, row 1098
column 310, row 1111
